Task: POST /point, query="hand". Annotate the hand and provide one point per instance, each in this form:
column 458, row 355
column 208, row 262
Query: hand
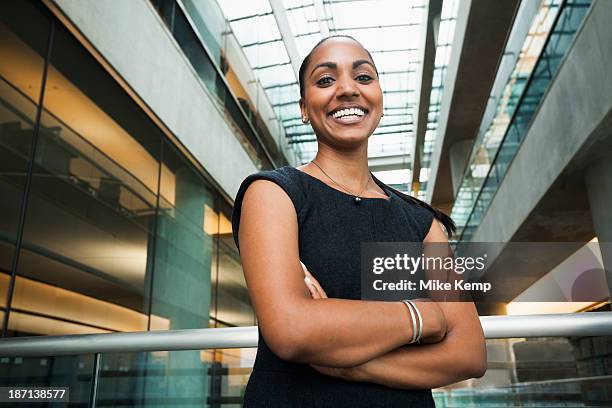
column 316, row 291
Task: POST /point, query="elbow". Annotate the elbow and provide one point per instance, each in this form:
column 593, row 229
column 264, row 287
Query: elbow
column 475, row 366
column 286, row 342
column 285, row 347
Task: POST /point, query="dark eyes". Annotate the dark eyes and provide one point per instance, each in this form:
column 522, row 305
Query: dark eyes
column 325, row 81
column 328, row 80
column 364, row 78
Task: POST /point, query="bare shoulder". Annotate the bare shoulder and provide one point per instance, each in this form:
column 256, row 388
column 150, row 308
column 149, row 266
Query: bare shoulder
column 437, row 232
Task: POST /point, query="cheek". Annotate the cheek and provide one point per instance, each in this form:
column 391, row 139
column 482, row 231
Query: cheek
column 315, row 102
column 378, row 98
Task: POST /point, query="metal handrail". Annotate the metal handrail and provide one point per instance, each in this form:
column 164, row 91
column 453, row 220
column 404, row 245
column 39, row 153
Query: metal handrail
column 495, row 327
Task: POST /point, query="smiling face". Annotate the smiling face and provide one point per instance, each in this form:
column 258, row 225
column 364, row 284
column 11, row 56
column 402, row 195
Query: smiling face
column 342, row 96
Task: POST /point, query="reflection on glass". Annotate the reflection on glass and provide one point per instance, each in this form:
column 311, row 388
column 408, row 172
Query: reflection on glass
column 211, row 378
column 24, row 31
column 74, row 372
column 184, row 247
column 538, row 372
column 86, row 251
column 95, row 244
column 233, row 306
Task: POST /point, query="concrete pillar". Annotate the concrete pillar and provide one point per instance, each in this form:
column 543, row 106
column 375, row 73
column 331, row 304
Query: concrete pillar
column 459, row 154
column 598, row 181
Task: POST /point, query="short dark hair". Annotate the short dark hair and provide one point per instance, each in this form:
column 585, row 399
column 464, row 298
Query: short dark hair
column 306, row 61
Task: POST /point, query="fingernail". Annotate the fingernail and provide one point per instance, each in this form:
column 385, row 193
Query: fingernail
column 308, row 281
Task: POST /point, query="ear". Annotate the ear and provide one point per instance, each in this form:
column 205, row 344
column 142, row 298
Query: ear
column 303, row 108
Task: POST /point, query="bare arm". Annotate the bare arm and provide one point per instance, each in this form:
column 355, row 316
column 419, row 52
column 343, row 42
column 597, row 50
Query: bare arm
column 459, row 356
column 333, row 332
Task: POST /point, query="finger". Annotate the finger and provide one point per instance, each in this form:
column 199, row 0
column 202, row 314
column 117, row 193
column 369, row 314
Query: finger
column 311, row 288
column 304, row 269
column 322, row 294
column 318, row 287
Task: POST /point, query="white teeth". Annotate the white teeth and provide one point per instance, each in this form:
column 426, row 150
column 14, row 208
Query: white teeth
column 347, row 112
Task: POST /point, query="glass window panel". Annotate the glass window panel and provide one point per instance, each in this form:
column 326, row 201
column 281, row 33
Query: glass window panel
column 194, row 51
column 395, row 81
column 288, row 111
column 389, row 120
column 74, row 372
column 283, row 94
column 446, row 32
column 86, row 254
column 210, row 23
column 206, row 378
column 187, row 222
column 256, row 29
column 399, row 176
column 442, row 55
column 395, row 61
column 387, row 37
column 537, row 372
column 276, row 75
column 267, row 54
column 233, row 306
column 303, row 20
column 238, row 9
column 449, row 9
column 296, row 3
column 305, row 43
column 367, row 13
column 24, row 32
column 396, row 99
column 392, row 138
column 402, row 128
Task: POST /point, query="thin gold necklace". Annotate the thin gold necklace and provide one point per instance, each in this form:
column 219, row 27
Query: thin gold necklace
column 357, row 196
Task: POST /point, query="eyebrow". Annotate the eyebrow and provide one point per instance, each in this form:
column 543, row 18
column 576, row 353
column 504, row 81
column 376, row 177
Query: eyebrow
column 333, row 65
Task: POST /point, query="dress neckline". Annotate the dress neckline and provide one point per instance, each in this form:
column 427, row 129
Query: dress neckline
column 311, row 177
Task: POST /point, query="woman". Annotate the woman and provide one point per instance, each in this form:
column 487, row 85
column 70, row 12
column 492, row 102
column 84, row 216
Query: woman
column 319, row 344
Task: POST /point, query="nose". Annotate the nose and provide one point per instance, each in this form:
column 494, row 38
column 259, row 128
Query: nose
column 346, row 87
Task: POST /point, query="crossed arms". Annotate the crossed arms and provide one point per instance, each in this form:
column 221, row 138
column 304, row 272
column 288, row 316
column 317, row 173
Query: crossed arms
column 352, row 339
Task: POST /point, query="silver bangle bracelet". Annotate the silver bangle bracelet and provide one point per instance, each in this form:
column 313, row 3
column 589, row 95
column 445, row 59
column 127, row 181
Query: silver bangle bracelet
column 414, row 323
column 420, row 320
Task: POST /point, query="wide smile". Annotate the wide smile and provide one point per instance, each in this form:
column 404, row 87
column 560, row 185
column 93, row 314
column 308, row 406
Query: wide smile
column 348, row 115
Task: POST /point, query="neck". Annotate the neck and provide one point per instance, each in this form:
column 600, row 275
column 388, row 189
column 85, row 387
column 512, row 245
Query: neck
column 347, row 167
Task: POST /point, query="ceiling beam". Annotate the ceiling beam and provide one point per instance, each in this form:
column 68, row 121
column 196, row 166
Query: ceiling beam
column 280, row 15
column 426, row 68
column 321, row 17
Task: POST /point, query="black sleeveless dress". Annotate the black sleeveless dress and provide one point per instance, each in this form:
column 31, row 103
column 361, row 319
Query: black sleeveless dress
column 331, row 229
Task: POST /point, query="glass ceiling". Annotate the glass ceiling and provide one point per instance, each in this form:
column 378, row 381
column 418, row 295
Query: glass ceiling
column 390, row 29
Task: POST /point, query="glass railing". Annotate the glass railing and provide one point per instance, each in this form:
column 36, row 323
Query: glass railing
column 536, row 361
column 570, row 392
column 547, row 43
column 194, row 48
